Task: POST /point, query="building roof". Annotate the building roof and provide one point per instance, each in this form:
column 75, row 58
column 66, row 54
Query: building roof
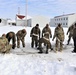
column 64, row 15
column 11, row 21
column 22, row 16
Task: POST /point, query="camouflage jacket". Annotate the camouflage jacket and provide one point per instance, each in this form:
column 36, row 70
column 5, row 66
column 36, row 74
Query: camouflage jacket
column 46, row 32
column 59, row 33
column 20, row 34
column 70, row 30
column 35, row 32
column 3, row 43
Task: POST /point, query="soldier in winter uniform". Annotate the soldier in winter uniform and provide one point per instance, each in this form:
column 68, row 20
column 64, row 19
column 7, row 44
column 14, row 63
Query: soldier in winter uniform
column 59, row 34
column 74, row 38
column 9, row 36
column 4, row 45
column 46, row 35
column 70, row 31
column 35, row 34
column 20, row 36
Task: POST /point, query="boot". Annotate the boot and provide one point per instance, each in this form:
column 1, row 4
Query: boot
column 40, row 52
column 46, row 52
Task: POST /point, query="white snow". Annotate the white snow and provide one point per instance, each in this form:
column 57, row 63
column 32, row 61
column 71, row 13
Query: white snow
column 29, row 62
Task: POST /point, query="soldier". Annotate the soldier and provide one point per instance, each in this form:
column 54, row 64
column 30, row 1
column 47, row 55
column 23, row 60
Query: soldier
column 46, row 30
column 74, row 38
column 4, row 45
column 59, row 34
column 46, row 35
column 46, row 42
column 11, row 36
column 35, row 34
column 20, row 36
column 70, row 31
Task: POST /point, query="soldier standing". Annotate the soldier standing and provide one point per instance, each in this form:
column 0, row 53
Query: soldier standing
column 9, row 36
column 46, row 35
column 35, row 34
column 20, row 36
column 74, row 38
column 70, row 31
column 4, row 45
column 59, row 34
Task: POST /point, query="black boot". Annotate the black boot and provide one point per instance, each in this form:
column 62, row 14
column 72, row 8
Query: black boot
column 40, row 52
column 40, row 48
column 68, row 43
column 46, row 52
column 51, row 48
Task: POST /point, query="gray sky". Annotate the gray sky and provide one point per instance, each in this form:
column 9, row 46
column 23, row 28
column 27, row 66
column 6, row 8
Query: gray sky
column 50, row 8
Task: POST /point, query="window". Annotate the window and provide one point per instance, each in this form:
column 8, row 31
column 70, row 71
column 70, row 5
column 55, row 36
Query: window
column 66, row 18
column 63, row 23
column 66, row 24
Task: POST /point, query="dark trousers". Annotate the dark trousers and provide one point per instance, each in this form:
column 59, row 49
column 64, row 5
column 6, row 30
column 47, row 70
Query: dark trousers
column 74, row 39
column 34, row 41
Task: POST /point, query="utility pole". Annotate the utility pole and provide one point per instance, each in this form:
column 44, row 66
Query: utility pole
column 26, row 13
column 18, row 10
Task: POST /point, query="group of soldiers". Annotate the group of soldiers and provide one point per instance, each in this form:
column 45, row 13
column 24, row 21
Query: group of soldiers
column 45, row 38
column 5, row 44
column 38, row 38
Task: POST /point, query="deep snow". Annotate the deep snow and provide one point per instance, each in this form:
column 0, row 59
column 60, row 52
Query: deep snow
column 29, row 62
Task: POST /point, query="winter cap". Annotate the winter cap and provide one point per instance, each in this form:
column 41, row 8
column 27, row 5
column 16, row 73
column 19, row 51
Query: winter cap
column 23, row 30
column 3, row 35
column 59, row 24
column 37, row 24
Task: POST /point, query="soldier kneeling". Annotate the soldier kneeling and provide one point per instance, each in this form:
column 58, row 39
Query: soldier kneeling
column 4, row 46
column 45, row 41
column 9, row 36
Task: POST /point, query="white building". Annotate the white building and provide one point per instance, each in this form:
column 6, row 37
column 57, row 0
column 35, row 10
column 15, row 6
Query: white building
column 22, row 20
column 3, row 22
column 66, row 20
column 11, row 22
column 41, row 20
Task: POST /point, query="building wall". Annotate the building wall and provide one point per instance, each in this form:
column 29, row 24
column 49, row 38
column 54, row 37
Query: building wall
column 3, row 22
column 65, row 20
column 20, row 22
column 23, row 22
column 72, row 19
column 41, row 20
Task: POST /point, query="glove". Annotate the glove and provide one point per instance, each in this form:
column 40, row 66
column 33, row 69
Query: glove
column 66, row 33
column 52, row 39
column 30, row 35
column 50, row 36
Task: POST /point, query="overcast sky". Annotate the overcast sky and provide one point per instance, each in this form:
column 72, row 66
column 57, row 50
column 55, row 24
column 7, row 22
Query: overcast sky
column 50, row 8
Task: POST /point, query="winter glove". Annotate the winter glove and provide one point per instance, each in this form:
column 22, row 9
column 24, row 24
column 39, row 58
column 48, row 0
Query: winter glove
column 30, row 35
column 52, row 39
column 66, row 33
column 50, row 36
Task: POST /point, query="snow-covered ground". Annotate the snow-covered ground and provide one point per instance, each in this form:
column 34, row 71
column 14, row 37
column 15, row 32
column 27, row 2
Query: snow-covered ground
column 26, row 61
